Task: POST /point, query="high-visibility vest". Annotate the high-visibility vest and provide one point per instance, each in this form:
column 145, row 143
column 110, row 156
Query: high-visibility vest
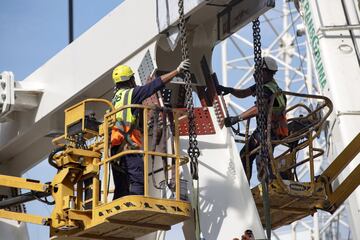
column 278, row 119
column 125, row 121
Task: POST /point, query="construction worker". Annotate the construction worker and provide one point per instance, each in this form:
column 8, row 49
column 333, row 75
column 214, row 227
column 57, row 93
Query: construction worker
column 248, row 235
column 128, row 171
column 279, row 127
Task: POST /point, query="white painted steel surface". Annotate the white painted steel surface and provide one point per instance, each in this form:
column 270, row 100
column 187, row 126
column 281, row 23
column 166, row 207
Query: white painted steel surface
column 10, row 230
column 227, row 208
column 335, row 52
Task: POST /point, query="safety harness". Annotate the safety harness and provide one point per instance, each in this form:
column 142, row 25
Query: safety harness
column 278, row 118
column 124, row 133
column 159, row 119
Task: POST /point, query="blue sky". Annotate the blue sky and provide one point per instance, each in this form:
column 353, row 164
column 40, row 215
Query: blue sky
column 33, row 31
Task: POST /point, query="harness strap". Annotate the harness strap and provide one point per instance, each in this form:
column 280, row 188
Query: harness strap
column 163, row 147
column 155, row 118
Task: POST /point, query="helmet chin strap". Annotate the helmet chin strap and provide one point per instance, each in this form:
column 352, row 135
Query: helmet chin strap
column 132, row 82
column 264, row 65
column 125, row 85
column 267, row 77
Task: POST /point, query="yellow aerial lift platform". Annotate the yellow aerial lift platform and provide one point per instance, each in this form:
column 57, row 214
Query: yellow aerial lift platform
column 81, row 206
column 81, row 194
column 289, row 198
column 300, row 199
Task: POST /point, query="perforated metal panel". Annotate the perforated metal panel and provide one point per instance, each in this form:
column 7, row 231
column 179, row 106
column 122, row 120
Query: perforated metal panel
column 166, row 96
column 203, row 122
column 7, row 98
column 146, row 68
column 219, row 111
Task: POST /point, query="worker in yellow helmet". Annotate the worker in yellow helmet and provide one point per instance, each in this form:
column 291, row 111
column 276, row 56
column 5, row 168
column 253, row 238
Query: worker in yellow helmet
column 128, row 171
column 279, row 128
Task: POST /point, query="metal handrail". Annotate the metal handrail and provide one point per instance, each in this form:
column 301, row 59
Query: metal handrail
column 312, row 132
column 145, row 151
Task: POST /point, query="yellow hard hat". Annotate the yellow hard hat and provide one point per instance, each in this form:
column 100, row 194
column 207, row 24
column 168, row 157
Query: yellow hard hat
column 122, row 73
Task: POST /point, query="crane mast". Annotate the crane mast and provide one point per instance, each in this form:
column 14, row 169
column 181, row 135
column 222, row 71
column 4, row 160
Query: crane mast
column 332, row 30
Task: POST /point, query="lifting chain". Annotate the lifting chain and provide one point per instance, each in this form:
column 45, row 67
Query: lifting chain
column 193, row 150
column 260, row 100
column 261, row 124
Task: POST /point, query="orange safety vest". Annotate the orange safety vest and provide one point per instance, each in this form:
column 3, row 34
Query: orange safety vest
column 125, row 120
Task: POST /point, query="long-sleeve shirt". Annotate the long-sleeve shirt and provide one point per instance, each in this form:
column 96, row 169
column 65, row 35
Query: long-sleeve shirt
column 141, row 93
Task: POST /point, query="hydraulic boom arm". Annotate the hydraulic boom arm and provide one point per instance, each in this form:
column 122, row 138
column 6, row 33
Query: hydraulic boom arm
column 350, row 183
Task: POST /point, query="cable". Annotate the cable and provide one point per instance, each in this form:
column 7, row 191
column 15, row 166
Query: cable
column 52, row 154
column 296, row 41
column 33, row 193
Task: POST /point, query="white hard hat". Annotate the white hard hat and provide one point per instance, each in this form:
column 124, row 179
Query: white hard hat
column 270, row 63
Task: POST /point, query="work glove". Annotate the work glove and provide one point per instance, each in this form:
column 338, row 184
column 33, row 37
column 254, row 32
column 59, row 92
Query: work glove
column 183, row 66
column 224, row 90
column 229, row 121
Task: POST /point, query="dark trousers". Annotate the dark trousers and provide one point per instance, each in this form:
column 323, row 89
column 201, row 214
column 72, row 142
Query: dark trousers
column 128, row 174
column 254, row 142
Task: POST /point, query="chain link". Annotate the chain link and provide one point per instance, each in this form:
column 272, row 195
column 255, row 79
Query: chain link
column 260, row 100
column 263, row 171
column 193, row 150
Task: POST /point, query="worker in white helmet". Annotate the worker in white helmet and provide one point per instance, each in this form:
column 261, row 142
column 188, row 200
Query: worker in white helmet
column 279, row 127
